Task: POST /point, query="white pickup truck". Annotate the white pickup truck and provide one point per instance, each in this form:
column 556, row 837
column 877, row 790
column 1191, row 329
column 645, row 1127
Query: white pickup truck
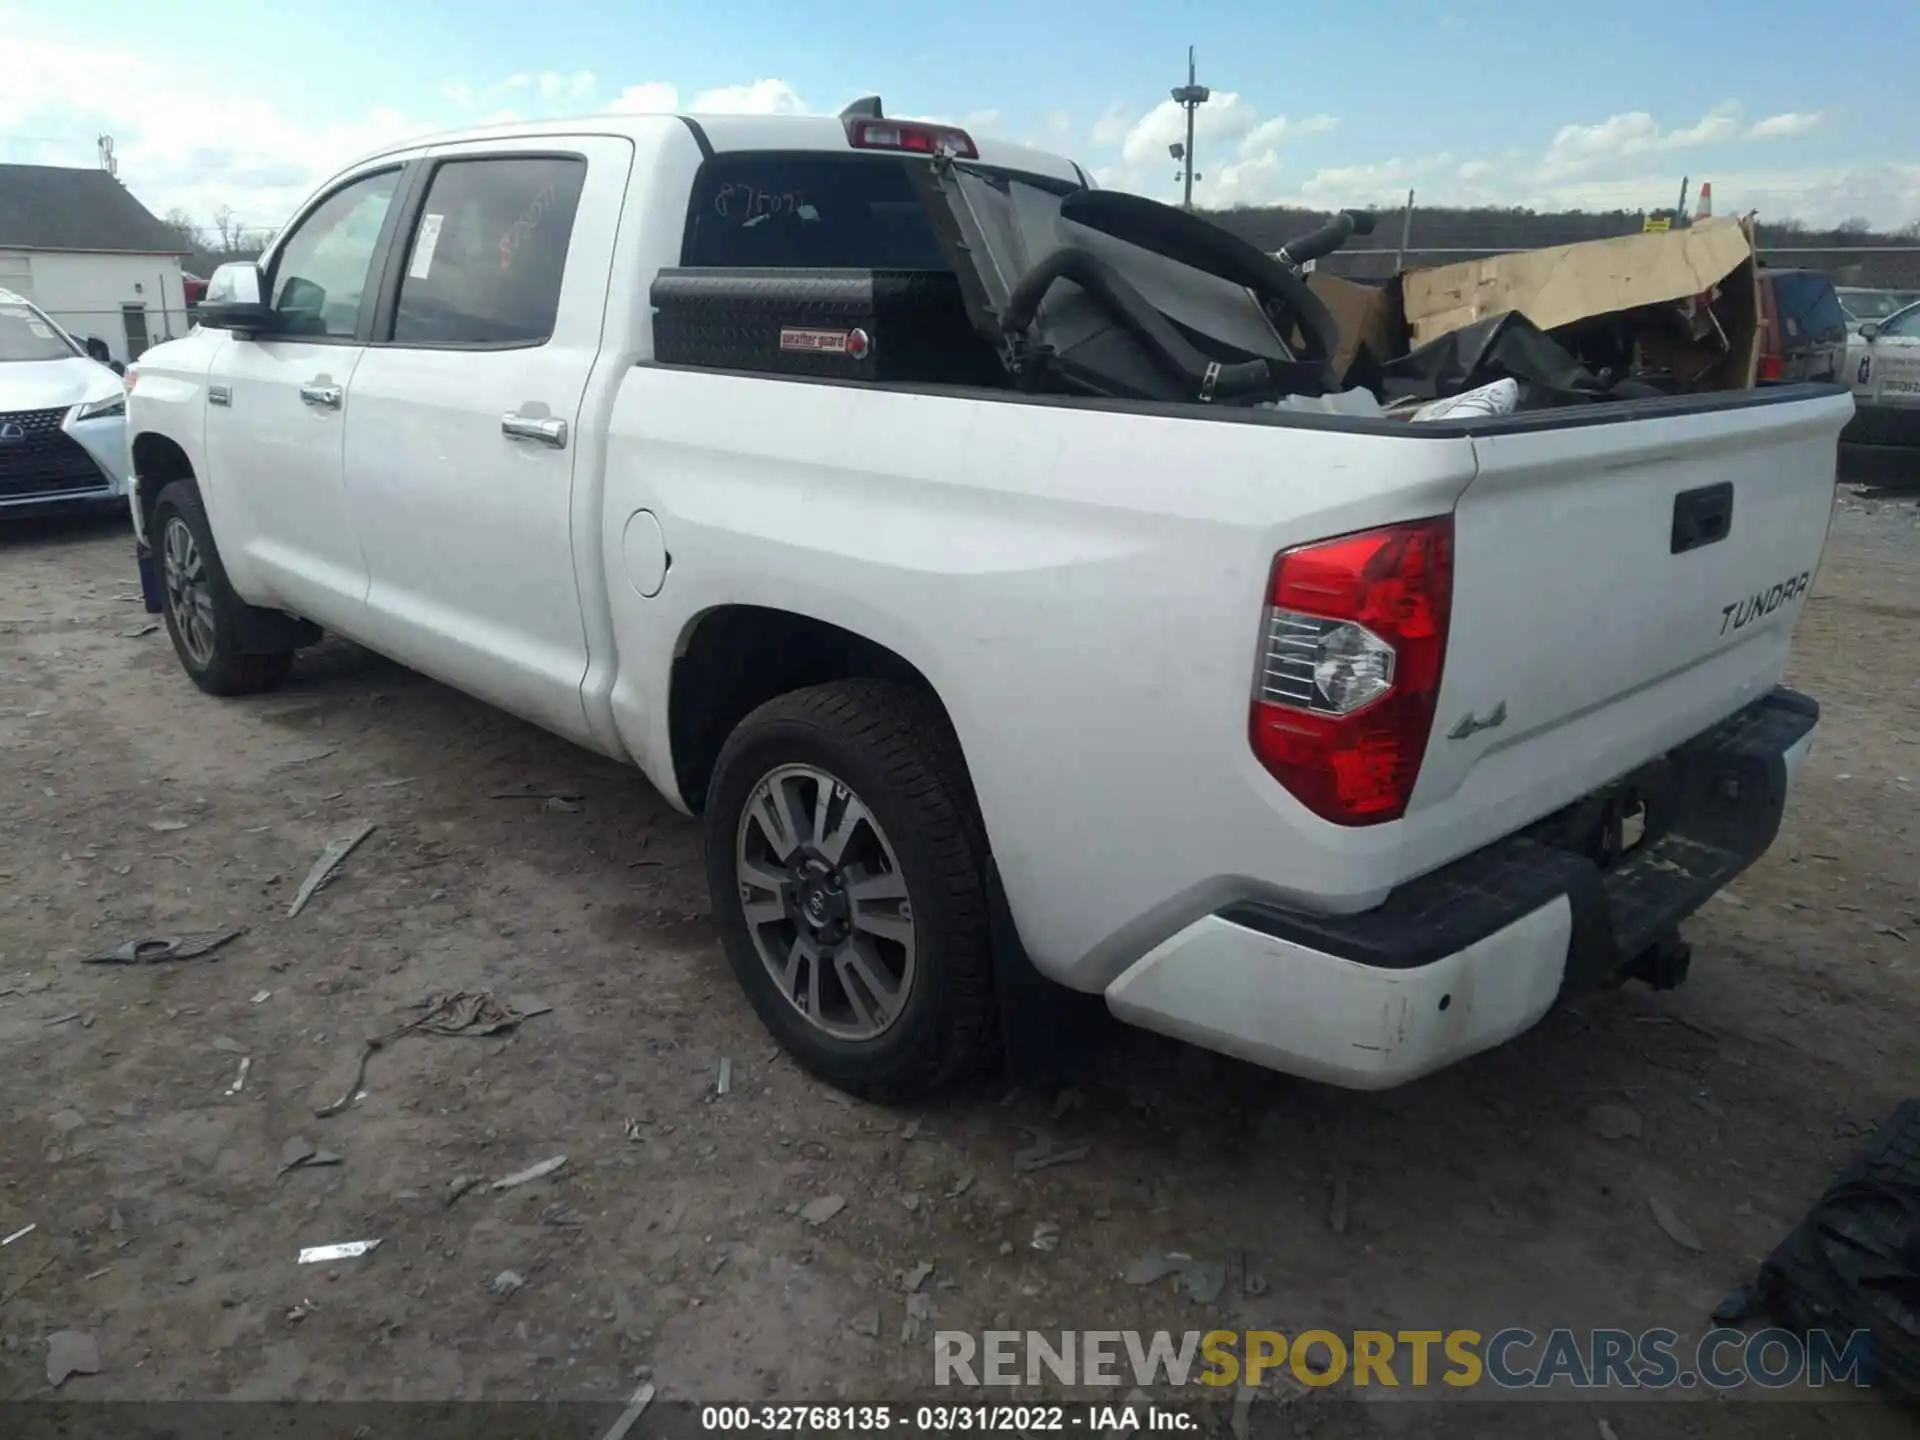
column 1337, row 743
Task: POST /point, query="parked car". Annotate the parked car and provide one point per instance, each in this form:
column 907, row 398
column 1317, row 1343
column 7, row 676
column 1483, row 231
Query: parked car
column 1803, row 330
column 1886, row 383
column 1863, row 304
column 1340, row 744
column 62, row 415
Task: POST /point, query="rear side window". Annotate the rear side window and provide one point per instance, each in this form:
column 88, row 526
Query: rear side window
column 1809, row 309
column 803, row 211
column 488, row 251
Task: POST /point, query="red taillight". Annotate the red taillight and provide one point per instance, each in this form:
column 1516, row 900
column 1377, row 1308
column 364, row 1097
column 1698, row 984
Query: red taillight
column 1772, row 367
column 1356, row 630
column 913, row 137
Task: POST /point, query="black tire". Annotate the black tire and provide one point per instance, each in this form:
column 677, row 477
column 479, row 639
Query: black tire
column 228, row 668
column 893, row 748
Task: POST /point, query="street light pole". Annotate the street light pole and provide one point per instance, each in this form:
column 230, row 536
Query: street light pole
column 1190, row 97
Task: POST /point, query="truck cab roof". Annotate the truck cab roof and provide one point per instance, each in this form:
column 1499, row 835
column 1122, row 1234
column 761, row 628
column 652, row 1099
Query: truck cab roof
column 736, row 133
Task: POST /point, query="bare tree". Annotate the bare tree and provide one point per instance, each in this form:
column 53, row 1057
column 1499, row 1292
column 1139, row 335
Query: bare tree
column 192, row 237
column 226, row 227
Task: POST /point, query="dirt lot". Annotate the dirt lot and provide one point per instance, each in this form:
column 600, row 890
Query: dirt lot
column 131, row 804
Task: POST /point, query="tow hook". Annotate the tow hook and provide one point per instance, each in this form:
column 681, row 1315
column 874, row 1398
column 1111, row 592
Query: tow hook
column 1663, row 964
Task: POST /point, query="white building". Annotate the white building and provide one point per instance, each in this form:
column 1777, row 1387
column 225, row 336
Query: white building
column 77, row 244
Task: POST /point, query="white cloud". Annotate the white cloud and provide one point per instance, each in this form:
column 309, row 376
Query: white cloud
column 762, row 97
column 1577, row 148
column 1341, row 186
column 1272, row 134
column 179, row 141
column 569, row 88
column 1240, row 152
column 1793, row 122
column 1630, row 160
column 1224, row 119
column 655, row 97
column 1112, row 127
column 184, row 144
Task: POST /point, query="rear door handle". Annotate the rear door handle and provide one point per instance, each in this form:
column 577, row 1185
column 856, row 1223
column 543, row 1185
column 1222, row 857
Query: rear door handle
column 327, row 397
column 527, row 427
column 1702, row 517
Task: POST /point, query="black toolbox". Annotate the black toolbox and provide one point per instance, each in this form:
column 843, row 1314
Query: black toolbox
column 868, row 325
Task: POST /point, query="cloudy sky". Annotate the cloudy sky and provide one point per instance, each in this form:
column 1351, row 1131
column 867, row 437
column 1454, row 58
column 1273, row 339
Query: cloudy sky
column 1790, row 109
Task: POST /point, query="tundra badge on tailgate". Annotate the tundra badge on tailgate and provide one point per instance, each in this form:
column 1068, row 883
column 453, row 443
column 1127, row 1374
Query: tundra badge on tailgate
column 1743, row 613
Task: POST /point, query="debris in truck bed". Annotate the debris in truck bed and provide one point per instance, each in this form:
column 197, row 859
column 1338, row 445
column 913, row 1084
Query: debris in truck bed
column 1681, row 302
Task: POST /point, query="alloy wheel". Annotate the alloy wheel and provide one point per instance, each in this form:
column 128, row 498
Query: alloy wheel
column 825, row 902
column 189, row 591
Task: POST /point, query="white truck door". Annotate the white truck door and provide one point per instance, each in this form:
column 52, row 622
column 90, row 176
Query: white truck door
column 465, row 429
column 276, row 408
column 1890, row 373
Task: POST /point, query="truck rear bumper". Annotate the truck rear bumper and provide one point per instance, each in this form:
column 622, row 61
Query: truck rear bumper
column 1471, row 955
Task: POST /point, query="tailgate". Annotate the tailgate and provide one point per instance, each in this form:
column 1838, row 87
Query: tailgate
column 1619, row 586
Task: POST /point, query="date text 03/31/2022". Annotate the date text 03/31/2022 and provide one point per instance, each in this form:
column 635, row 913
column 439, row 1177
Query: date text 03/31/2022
column 938, row 1419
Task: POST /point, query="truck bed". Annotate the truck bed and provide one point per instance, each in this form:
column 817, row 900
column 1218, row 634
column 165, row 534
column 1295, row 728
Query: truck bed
column 1083, row 579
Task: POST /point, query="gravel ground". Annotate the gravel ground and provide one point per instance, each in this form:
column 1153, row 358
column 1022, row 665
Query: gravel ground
column 674, row 1236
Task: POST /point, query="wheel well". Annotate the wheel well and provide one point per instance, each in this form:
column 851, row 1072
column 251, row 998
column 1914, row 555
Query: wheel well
column 741, row 656
column 158, row 462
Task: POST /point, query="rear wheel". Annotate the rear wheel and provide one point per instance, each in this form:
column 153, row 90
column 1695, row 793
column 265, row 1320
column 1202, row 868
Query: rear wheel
column 846, row 871
column 202, row 612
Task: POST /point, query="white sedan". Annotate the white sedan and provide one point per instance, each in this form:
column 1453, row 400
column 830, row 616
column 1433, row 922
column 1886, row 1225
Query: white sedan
column 1884, row 374
column 63, row 415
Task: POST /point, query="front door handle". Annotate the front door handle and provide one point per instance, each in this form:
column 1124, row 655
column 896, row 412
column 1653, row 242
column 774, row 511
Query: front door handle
column 327, row 397
column 527, row 427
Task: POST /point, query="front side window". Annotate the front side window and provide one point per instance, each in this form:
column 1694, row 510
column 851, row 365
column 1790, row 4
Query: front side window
column 489, row 251
column 1905, row 325
column 323, row 269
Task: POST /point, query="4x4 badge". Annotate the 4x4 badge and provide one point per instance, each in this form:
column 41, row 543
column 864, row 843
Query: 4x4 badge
column 1471, row 723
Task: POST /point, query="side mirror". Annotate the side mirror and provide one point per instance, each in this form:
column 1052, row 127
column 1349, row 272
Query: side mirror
column 234, row 300
column 1869, row 332
column 117, row 368
column 96, row 349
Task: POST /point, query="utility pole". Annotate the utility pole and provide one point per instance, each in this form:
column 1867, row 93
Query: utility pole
column 1189, row 97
